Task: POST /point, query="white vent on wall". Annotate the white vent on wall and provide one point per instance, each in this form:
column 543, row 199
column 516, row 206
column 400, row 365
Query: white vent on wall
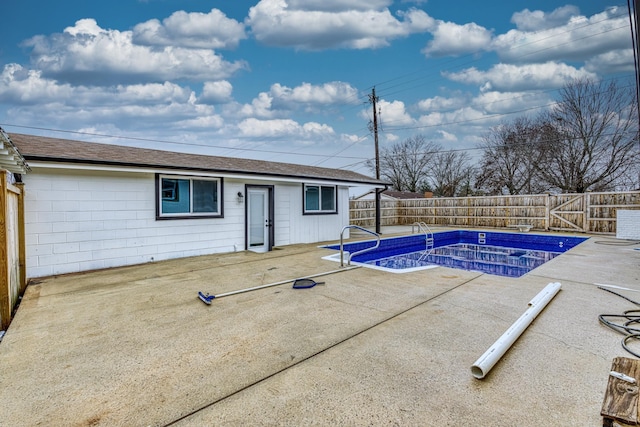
column 628, row 224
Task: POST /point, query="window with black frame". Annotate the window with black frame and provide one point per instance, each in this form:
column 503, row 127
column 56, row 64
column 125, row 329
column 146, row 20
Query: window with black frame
column 320, row 199
column 186, row 197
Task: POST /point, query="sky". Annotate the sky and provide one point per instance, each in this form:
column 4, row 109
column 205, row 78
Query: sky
column 292, row 80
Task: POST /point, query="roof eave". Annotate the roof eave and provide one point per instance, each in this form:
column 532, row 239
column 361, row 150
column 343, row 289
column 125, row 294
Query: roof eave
column 164, row 168
column 10, row 157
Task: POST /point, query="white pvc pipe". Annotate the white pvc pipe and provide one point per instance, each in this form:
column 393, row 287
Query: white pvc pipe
column 483, row 365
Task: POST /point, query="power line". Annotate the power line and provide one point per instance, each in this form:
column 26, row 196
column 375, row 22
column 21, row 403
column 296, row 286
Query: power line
column 635, row 42
column 470, row 55
column 491, row 116
column 350, row 107
column 133, row 138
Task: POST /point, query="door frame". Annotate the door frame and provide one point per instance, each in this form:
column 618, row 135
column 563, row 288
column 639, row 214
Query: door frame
column 270, row 214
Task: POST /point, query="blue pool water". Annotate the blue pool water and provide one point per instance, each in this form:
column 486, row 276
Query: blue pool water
column 503, row 254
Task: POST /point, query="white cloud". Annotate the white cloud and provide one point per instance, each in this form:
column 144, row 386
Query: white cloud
column 282, row 128
column 351, row 138
column 438, row 103
column 152, row 93
column 313, row 95
column 446, row 136
column 313, row 128
column 211, row 30
column 393, row 114
column 168, row 105
column 282, row 100
column 417, row 21
column 133, row 82
column 494, row 102
column 614, row 61
column 208, row 122
column 87, row 53
column 334, row 26
column 216, row 92
column 536, row 20
column 135, row 107
column 391, row 137
column 452, row 39
column 437, row 118
column 22, row 87
column 390, row 115
column 337, row 5
column 259, row 107
column 508, row 77
column 579, row 39
column 463, row 121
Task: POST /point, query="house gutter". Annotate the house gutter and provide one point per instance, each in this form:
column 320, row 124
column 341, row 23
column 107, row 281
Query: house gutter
column 48, row 162
column 378, row 214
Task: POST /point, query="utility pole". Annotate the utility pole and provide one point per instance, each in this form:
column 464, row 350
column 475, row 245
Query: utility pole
column 373, row 99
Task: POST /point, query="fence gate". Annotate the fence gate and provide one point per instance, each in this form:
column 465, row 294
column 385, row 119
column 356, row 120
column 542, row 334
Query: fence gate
column 568, row 212
column 12, row 236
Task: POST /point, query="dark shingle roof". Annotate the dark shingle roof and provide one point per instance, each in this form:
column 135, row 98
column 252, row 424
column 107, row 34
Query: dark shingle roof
column 403, row 194
column 45, row 149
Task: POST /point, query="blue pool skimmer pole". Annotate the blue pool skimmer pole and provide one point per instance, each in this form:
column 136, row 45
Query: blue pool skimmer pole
column 206, row 298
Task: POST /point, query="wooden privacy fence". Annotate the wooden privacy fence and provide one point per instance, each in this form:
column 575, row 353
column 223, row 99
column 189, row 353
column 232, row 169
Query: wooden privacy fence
column 12, row 248
column 583, row 212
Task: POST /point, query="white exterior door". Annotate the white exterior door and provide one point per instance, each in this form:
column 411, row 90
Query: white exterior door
column 259, row 221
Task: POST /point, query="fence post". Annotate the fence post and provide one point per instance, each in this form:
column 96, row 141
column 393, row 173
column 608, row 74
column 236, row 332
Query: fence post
column 5, row 295
column 547, row 209
column 587, row 210
column 22, row 248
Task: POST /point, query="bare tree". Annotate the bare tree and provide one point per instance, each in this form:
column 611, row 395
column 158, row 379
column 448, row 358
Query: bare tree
column 590, row 138
column 450, row 173
column 510, row 159
column 405, row 164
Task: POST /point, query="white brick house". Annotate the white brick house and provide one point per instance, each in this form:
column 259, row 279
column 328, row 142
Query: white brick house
column 91, row 206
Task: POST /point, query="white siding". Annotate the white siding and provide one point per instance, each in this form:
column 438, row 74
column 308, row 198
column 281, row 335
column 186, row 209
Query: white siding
column 78, row 220
column 85, row 220
column 318, row 228
column 292, row 227
column 284, row 194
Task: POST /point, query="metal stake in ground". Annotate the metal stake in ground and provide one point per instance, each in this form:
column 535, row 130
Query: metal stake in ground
column 206, row 298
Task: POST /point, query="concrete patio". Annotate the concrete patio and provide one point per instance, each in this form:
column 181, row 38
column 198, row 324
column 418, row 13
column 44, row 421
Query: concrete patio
column 134, row 346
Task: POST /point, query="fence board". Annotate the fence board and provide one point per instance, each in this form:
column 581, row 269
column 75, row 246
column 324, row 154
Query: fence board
column 588, row 212
column 11, row 247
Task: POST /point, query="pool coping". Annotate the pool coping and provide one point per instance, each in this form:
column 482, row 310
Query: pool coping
column 464, row 237
column 336, row 258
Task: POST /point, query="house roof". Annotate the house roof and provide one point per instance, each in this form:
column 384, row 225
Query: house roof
column 45, row 149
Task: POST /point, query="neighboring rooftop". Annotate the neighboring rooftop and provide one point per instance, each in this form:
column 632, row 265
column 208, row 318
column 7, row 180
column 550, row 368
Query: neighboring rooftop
column 404, row 194
column 393, row 194
column 45, row 149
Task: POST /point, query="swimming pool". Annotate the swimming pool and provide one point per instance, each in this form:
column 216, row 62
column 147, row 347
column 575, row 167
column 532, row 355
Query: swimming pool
column 503, row 254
